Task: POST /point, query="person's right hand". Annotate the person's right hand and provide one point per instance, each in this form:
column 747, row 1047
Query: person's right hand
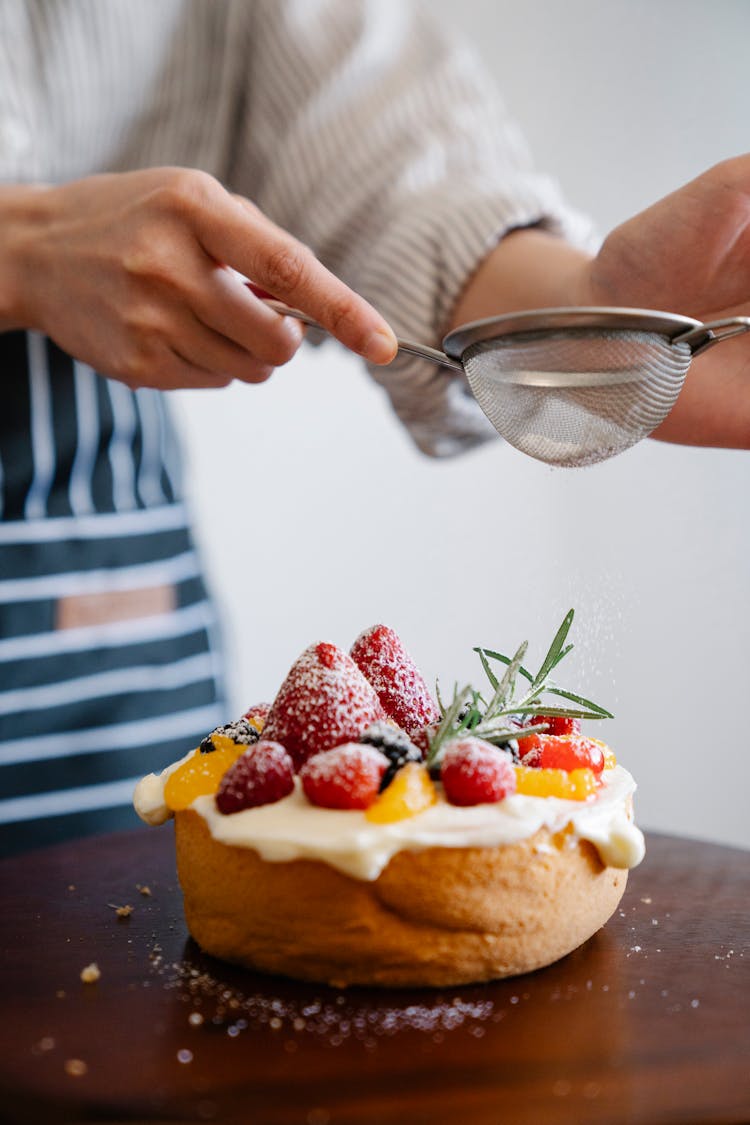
column 127, row 272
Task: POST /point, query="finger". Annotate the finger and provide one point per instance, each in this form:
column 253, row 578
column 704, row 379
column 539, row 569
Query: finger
column 239, row 235
column 225, row 305
column 201, row 346
column 179, row 373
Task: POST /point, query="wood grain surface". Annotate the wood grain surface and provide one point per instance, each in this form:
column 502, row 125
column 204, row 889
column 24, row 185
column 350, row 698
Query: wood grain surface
column 648, row 1023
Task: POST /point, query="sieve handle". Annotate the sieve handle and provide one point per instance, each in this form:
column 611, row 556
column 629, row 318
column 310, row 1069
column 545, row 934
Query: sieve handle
column 434, row 355
column 704, row 336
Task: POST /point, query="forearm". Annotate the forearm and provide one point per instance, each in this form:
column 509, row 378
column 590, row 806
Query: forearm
column 528, row 269
column 533, row 269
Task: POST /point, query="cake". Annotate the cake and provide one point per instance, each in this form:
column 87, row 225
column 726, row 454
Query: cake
column 359, row 831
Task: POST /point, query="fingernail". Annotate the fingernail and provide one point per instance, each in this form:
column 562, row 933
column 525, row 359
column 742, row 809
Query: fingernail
column 295, row 329
column 381, row 347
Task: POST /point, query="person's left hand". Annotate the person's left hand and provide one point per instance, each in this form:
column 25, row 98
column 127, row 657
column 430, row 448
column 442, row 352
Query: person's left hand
column 690, row 254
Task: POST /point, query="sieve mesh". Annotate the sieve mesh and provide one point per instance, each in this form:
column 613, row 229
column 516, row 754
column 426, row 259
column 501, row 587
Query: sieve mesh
column 577, row 396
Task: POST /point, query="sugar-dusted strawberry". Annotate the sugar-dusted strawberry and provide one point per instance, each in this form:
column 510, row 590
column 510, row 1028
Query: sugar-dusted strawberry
column 476, row 773
column 564, row 752
column 262, row 775
column 381, row 656
column 347, row 777
column 324, row 701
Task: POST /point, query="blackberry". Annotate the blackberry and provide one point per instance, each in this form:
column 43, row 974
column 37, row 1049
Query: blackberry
column 240, row 731
column 395, row 744
column 511, row 747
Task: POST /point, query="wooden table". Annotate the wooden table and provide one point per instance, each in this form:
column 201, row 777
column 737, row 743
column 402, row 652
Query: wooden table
column 648, row 1023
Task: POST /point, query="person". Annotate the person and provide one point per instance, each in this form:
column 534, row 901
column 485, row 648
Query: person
column 355, row 161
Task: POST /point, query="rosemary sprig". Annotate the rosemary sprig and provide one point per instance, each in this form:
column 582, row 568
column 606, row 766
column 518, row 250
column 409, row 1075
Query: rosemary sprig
column 495, row 721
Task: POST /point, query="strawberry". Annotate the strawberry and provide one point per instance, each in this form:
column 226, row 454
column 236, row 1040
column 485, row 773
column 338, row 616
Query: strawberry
column 324, row 701
column 563, row 752
column 379, row 653
column 347, row 777
column 260, row 776
column 476, row 773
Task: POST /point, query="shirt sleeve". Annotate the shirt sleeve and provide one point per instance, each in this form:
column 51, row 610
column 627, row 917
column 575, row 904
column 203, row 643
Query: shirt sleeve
column 374, row 136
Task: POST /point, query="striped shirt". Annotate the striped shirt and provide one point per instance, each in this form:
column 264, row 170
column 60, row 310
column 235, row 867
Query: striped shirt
column 360, row 126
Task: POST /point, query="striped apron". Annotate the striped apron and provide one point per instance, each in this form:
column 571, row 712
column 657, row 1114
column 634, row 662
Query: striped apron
column 109, row 661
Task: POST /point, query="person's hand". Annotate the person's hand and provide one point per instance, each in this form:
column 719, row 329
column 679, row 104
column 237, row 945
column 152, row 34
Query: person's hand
column 690, row 254
column 127, row 272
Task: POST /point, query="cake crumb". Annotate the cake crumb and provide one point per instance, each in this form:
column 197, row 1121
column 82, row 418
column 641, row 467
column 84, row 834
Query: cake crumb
column 76, row 1068
column 90, row 973
column 143, row 889
column 121, row 911
column 647, row 901
column 71, row 886
column 61, row 994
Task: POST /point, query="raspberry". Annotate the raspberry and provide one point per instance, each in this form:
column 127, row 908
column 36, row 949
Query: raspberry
column 324, row 701
column 379, row 653
column 257, row 715
column 347, row 777
column 262, row 775
column 397, row 747
column 476, row 773
column 564, row 752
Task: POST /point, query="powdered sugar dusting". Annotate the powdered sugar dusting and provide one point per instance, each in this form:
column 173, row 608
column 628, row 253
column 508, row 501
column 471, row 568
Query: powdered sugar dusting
column 400, row 686
column 262, row 775
column 324, row 701
column 343, row 762
column 330, row 1017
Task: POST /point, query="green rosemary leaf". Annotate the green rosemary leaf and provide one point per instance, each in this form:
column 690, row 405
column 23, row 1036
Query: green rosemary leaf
column 601, row 712
column 566, row 712
column 563, row 652
column 450, row 724
column 553, row 655
column 506, row 687
column 441, row 705
column 505, row 660
column 488, row 671
column 498, row 734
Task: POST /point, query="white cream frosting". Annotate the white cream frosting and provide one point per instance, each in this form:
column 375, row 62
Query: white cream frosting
column 294, row 829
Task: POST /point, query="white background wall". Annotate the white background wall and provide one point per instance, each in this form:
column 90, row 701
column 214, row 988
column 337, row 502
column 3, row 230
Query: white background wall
column 318, row 518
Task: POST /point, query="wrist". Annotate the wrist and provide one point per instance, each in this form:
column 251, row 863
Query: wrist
column 23, row 211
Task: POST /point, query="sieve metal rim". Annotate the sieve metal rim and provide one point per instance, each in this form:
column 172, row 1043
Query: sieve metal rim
column 664, row 324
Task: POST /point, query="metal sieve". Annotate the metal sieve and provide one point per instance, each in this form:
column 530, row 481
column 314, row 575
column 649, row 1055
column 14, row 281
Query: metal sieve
column 573, row 386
